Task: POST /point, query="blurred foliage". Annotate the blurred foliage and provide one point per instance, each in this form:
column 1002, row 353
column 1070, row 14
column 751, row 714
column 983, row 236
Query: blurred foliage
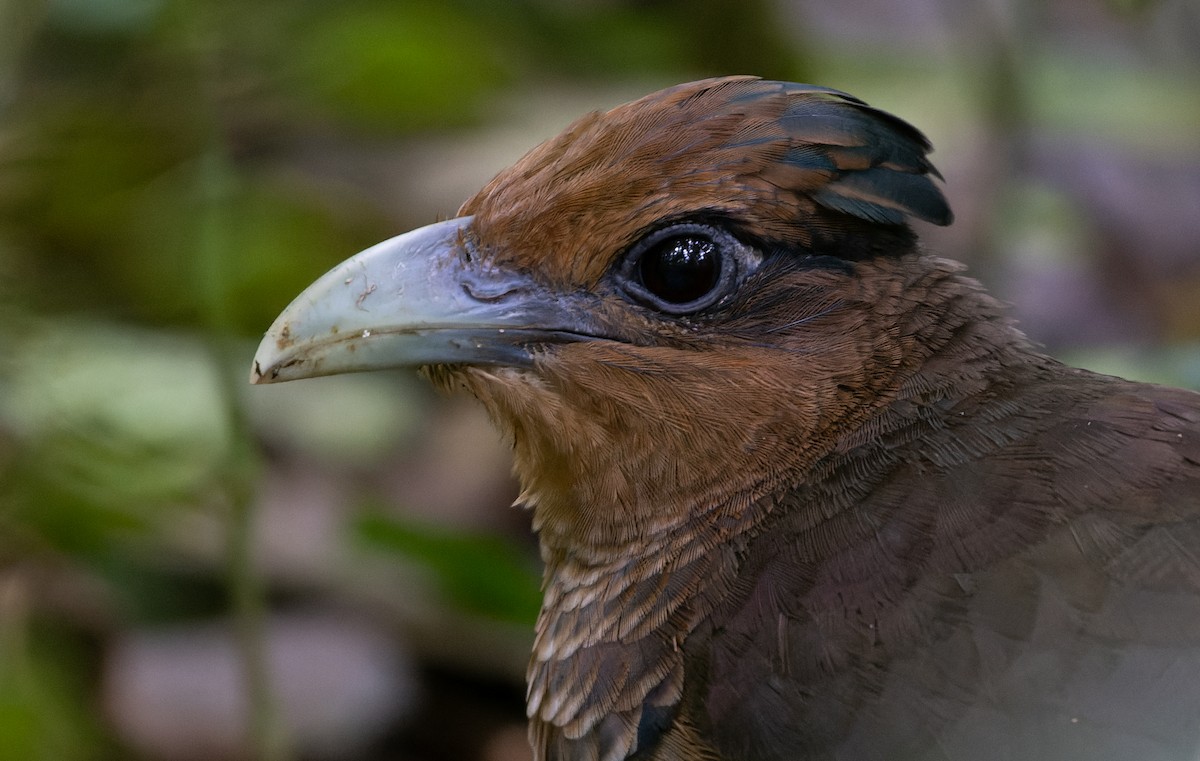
column 349, row 64
column 116, row 426
column 45, row 707
column 481, row 573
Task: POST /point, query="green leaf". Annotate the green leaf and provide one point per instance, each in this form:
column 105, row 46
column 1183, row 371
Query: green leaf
column 44, row 709
column 483, row 574
column 115, row 424
column 401, row 65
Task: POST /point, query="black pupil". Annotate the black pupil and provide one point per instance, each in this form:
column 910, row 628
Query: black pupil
column 679, row 270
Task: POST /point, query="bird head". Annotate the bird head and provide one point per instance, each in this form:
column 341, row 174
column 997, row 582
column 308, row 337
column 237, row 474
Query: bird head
column 672, row 307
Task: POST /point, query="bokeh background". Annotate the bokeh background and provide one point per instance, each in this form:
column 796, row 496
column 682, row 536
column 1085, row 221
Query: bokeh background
column 195, row 569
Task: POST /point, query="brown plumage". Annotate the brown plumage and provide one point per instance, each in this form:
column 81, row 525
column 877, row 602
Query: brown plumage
column 803, row 491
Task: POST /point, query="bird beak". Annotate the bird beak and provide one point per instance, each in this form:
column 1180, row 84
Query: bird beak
column 413, row 300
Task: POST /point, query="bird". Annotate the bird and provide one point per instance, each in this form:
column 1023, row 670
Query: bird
column 802, row 488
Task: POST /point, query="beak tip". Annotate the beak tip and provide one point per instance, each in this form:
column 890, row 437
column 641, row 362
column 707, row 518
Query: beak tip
column 269, row 360
column 258, row 377
column 272, row 365
column 276, row 351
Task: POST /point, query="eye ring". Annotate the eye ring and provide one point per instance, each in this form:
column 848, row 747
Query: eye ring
column 682, row 268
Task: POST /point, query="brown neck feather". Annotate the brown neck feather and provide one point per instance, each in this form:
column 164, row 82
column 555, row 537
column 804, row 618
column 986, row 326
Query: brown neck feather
column 605, row 437
column 639, row 505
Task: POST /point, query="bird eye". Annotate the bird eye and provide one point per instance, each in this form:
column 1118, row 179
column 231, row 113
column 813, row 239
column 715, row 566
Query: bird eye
column 682, row 268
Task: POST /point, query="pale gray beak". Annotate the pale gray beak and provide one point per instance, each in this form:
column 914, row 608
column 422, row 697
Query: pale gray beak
column 416, row 299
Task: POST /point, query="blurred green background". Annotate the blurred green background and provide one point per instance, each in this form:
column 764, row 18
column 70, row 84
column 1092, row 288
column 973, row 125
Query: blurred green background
column 193, row 568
